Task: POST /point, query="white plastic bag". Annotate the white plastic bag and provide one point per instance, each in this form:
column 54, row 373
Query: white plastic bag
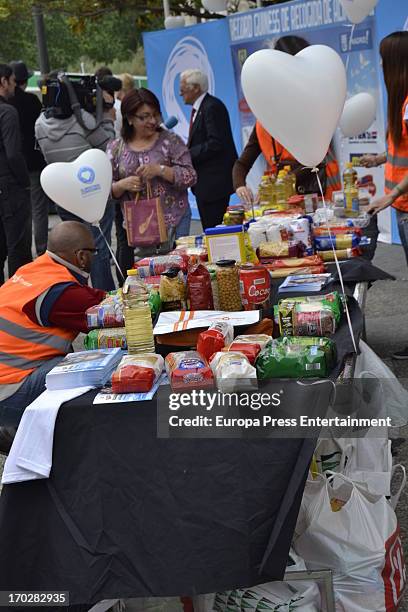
column 272, row 596
column 360, row 543
column 393, row 396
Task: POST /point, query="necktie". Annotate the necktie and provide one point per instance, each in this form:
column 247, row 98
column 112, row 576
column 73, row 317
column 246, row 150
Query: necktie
column 193, row 111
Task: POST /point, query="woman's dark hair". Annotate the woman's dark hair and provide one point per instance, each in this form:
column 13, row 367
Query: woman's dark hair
column 394, row 54
column 291, row 44
column 5, row 71
column 131, row 104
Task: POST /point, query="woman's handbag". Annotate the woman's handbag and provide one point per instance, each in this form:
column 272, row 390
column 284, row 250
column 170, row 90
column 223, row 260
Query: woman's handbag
column 144, row 221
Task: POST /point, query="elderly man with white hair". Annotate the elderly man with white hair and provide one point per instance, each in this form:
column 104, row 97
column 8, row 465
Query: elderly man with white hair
column 211, row 147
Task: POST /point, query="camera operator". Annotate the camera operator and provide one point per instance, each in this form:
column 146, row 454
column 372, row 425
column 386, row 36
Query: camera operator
column 63, row 132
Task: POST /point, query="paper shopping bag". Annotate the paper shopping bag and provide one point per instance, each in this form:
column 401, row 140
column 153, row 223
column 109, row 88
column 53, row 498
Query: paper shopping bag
column 144, row 221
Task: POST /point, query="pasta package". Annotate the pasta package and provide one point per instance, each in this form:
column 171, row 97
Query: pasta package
column 173, row 289
column 279, row 250
column 188, row 370
column 295, row 262
column 294, row 358
column 137, row 373
column 284, row 272
column 250, row 345
column 106, row 338
column 215, row 338
column 233, row 372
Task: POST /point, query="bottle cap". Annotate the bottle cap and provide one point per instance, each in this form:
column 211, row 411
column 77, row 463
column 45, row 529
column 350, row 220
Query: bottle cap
column 225, row 262
column 133, row 272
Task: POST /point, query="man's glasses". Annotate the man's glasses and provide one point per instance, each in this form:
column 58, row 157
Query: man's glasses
column 93, row 251
column 147, row 116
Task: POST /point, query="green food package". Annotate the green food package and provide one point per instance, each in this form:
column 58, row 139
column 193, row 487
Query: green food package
column 314, row 315
column 114, row 337
column 154, row 302
column 296, row 357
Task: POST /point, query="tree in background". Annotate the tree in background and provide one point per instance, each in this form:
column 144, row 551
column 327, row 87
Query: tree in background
column 98, row 32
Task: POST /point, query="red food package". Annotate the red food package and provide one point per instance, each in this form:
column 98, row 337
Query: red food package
column 199, row 288
column 137, row 373
column 188, row 370
column 214, row 339
column 250, row 345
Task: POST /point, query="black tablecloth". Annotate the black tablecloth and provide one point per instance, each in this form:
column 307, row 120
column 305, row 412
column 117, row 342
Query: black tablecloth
column 125, row 514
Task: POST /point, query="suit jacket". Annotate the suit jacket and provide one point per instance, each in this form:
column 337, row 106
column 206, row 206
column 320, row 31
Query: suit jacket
column 212, row 150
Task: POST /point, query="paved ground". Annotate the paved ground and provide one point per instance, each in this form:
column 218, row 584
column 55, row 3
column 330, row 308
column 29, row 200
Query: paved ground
column 387, row 330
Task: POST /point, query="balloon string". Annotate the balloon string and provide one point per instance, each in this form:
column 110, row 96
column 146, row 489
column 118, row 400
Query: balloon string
column 353, row 27
column 316, row 170
column 110, row 250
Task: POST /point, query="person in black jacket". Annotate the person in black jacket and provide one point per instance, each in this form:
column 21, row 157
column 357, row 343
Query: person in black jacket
column 211, row 146
column 15, row 208
column 29, row 109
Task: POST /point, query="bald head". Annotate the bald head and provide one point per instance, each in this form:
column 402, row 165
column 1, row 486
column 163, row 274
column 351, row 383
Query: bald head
column 69, row 236
column 72, row 241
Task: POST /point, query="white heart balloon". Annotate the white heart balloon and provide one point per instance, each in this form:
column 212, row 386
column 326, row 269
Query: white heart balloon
column 298, row 100
column 174, row 21
column 82, row 187
column 358, row 114
column 214, row 6
column 357, row 10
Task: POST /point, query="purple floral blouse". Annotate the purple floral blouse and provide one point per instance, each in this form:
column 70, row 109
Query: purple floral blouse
column 168, row 150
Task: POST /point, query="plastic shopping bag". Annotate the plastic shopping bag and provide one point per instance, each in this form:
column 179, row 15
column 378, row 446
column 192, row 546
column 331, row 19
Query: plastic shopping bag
column 343, row 528
column 393, row 396
column 270, row 597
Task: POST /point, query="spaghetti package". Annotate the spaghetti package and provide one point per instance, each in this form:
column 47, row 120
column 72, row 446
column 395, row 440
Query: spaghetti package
column 233, row 372
column 137, row 373
column 188, row 370
column 310, row 260
column 215, row 338
column 109, row 313
column 199, row 288
column 106, row 338
column 250, row 345
column 310, row 315
column 195, row 254
column 284, row 272
column 295, row 358
column 341, row 254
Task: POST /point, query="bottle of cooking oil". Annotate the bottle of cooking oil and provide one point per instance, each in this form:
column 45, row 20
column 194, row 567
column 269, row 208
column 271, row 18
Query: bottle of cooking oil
column 350, row 179
column 280, row 190
column 138, row 319
column 291, row 181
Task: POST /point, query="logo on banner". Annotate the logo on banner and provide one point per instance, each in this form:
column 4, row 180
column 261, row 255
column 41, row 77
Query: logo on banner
column 188, row 53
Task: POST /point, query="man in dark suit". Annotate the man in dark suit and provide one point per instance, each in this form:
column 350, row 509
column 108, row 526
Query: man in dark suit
column 211, row 147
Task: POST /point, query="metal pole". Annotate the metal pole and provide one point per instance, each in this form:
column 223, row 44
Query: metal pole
column 41, row 39
column 166, row 8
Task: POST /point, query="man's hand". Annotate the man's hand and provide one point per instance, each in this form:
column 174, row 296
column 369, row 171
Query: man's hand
column 149, row 171
column 380, row 204
column 131, row 183
column 245, row 195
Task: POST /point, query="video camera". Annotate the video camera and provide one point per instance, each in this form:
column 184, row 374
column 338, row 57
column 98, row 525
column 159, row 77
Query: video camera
column 65, row 94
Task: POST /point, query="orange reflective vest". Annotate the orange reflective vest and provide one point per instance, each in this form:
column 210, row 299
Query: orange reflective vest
column 396, row 167
column 332, row 167
column 25, row 345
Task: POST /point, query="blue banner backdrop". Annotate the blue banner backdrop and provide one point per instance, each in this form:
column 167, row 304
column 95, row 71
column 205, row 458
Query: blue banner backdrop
column 204, row 46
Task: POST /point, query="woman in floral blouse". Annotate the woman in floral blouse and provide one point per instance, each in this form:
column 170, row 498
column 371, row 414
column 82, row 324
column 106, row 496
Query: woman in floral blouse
column 147, row 153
